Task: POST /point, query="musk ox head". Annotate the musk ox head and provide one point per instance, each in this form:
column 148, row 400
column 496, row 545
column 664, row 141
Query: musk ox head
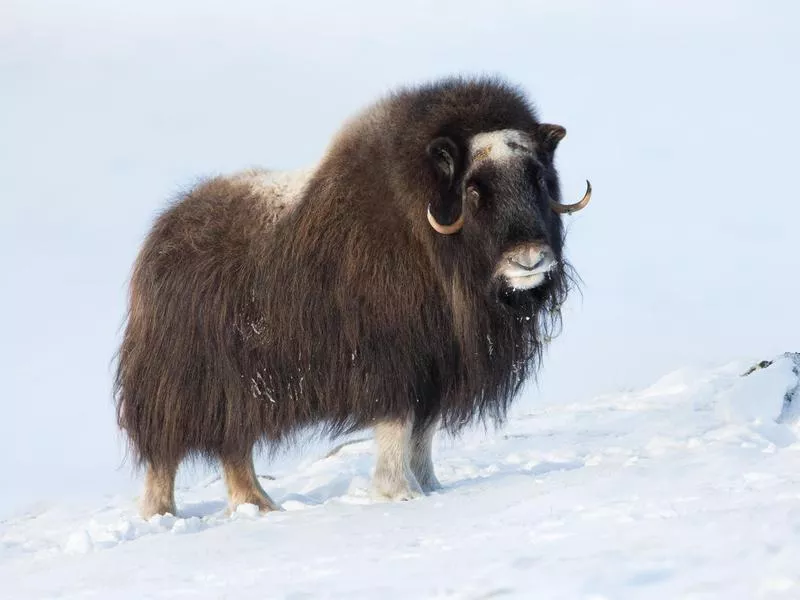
column 499, row 190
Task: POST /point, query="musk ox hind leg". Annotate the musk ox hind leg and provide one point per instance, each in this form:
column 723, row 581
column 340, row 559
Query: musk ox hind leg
column 243, row 485
column 159, row 491
column 421, row 455
column 394, row 479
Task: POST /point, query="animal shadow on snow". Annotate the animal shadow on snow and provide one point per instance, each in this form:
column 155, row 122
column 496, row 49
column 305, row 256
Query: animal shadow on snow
column 200, row 508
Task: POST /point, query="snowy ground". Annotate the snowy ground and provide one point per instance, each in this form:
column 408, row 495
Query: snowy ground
column 686, row 489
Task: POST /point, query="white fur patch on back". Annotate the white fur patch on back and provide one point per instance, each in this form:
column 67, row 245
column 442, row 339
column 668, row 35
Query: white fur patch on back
column 277, row 187
column 500, row 145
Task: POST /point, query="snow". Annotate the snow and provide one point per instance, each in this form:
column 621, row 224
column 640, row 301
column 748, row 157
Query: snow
column 687, row 488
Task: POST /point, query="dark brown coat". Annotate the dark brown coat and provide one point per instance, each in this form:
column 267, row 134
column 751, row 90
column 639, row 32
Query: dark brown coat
column 251, row 321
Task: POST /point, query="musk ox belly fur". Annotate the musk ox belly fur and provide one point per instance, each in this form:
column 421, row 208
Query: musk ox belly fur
column 263, row 304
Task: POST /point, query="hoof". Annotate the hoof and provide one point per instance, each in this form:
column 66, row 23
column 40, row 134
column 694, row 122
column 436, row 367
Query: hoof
column 148, row 510
column 431, row 485
column 265, row 504
column 397, row 491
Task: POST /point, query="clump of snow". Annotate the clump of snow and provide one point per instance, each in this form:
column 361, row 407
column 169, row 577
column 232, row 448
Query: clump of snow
column 191, row 525
column 247, row 511
column 79, row 542
column 687, row 488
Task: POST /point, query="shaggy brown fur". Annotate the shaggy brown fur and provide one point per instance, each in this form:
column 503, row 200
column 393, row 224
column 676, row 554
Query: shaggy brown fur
column 251, row 320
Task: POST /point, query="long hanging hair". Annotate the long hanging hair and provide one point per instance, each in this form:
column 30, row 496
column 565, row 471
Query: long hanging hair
column 249, row 321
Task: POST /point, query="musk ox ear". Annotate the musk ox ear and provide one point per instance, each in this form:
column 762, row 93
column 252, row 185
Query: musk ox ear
column 444, row 154
column 445, row 212
column 551, row 135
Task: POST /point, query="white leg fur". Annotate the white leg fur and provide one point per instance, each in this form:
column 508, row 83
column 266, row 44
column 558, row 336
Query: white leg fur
column 393, row 477
column 422, row 459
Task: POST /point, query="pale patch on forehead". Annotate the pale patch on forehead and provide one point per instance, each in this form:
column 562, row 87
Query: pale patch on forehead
column 500, row 145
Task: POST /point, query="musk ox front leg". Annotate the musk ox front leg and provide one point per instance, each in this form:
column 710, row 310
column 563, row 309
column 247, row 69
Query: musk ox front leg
column 394, row 478
column 243, row 485
column 421, row 455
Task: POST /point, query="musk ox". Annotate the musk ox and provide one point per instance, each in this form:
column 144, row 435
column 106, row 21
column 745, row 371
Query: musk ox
column 409, row 280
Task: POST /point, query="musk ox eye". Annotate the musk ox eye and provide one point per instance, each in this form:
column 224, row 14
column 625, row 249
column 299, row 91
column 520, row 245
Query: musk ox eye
column 474, row 196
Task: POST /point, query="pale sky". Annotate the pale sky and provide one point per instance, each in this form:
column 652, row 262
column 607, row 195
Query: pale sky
column 684, row 116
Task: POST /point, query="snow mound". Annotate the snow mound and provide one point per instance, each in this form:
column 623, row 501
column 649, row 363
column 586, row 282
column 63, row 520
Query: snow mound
column 688, row 488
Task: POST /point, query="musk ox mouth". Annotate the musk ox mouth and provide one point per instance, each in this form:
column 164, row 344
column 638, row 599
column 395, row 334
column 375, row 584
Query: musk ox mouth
column 526, row 267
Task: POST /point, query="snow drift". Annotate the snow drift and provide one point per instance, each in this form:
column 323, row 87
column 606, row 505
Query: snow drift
column 687, row 488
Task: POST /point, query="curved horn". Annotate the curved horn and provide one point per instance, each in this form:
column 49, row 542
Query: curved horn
column 446, row 229
column 571, row 208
